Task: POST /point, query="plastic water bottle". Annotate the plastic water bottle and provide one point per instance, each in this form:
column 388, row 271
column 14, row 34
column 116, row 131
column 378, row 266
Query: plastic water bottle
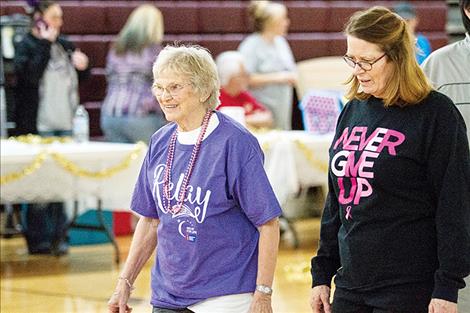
column 81, row 122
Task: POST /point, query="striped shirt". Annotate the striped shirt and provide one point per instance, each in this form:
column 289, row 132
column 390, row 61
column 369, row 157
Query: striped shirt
column 448, row 68
column 129, row 78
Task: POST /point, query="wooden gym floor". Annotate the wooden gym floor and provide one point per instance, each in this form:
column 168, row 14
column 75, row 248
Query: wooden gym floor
column 82, row 281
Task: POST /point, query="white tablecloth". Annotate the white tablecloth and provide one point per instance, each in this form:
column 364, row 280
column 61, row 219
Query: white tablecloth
column 51, row 182
column 295, row 159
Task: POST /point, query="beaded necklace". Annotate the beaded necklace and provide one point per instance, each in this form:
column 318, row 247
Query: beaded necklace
column 169, row 163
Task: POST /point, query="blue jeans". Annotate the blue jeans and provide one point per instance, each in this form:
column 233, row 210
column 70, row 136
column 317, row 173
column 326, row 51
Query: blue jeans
column 130, row 129
column 46, row 223
column 44, row 228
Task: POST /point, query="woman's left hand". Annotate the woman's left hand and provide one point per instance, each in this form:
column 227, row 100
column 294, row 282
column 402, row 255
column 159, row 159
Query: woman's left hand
column 261, row 303
column 442, row 306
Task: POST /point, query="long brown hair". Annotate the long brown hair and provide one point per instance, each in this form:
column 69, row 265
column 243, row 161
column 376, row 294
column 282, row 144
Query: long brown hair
column 407, row 84
column 465, row 5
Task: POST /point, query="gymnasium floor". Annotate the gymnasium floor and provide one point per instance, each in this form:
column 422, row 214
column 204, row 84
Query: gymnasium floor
column 82, row 281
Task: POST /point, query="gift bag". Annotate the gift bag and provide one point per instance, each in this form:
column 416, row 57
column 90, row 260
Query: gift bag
column 320, row 110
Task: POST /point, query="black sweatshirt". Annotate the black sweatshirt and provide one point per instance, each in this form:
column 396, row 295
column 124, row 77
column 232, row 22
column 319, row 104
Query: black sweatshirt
column 31, row 58
column 398, row 207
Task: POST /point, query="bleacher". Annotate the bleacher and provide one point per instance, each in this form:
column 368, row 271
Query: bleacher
column 315, row 30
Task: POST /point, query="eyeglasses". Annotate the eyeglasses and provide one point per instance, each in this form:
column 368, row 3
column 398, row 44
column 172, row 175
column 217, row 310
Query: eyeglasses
column 366, row 66
column 172, row 89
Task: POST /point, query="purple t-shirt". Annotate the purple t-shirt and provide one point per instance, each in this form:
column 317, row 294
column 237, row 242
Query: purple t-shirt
column 210, row 248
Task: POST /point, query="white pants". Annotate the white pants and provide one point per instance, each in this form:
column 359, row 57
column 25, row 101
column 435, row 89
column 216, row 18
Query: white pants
column 238, row 303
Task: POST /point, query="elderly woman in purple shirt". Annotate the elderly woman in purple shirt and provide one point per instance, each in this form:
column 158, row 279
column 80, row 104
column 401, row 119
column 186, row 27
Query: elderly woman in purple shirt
column 130, row 112
column 204, row 200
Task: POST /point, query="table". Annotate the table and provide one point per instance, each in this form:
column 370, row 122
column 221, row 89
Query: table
column 62, row 171
column 295, row 159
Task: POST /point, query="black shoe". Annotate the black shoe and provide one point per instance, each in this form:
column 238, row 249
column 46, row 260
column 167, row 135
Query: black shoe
column 62, row 248
column 40, row 249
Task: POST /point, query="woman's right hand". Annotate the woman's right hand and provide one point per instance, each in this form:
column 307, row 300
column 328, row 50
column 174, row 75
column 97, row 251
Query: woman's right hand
column 287, row 77
column 48, row 33
column 118, row 301
column 320, row 299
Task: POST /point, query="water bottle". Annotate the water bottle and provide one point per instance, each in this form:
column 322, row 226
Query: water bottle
column 81, row 125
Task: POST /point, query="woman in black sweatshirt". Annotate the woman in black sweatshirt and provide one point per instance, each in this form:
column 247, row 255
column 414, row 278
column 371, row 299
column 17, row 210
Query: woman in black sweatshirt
column 396, row 225
column 48, row 68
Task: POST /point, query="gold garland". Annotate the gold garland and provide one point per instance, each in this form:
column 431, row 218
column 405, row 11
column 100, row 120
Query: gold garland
column 71, row 167
column 35, row 139
column 76, row 170
column 322, row 166
column 108, row 172
column 27, row 170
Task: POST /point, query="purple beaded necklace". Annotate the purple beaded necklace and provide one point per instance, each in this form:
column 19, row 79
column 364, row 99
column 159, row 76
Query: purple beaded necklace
column 187, row 175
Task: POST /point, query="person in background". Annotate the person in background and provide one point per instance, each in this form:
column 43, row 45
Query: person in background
column 269, row 61
column 395, row 228
column 130, row 112
column 48, row 68
column 448, row 68
column 205, row 201
column 408, row 13
column 234, row 81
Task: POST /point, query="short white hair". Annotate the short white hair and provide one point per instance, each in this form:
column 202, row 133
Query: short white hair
column 194, row 62
column 228, row 65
